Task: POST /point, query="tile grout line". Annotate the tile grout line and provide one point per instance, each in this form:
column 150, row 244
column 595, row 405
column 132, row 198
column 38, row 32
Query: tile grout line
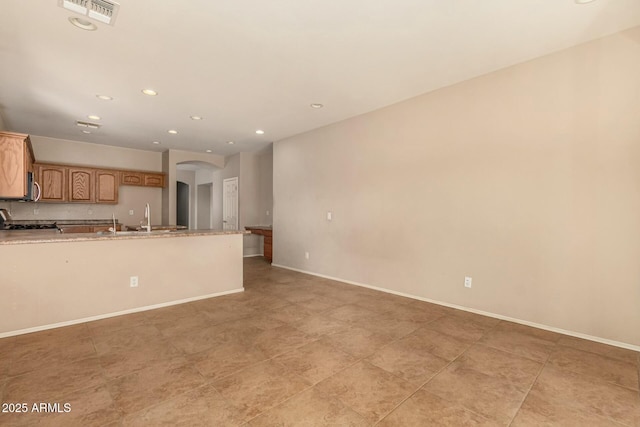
column 421, row 387
column 544, row 365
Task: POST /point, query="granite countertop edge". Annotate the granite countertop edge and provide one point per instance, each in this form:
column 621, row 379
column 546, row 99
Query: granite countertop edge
column 13, row 238
column 62, row 221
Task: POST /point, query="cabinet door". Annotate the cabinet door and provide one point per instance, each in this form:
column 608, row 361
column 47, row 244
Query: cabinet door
column 268, row 245
column 131, row 178
column 106, row 186
column 76, row 229
column 153, row 180
column 81, row 185
column 15, row 150
column 53, row 182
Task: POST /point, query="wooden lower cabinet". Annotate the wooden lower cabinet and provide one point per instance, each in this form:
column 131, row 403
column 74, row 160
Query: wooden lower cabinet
column 53, row 182
column 86, row 228
column 82, row 185
column 268, row 248
column 268, row 240
column 107, row 186
column 76, row 228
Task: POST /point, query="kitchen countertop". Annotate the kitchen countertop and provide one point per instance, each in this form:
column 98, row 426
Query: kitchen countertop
column 53, row 236
column 158, row 227
column 61, row 221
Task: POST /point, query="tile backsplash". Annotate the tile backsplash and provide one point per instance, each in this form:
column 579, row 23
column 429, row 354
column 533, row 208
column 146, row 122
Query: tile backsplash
column 130, row 199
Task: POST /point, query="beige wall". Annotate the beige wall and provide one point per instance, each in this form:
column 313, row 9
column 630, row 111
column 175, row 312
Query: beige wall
column 86, row 154
column 249, row 200
column 265, row 205
column 50, row 283
column 52, row 150
column 255, row 181
column 170, row 159
column 526, row 179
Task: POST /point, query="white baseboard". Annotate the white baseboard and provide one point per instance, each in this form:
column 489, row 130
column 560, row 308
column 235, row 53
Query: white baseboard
column 473, row 310
column 117, row 313
column 251, row 255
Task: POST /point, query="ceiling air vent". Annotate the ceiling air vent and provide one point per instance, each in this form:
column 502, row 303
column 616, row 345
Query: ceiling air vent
column 100, row 10
column 88, row 125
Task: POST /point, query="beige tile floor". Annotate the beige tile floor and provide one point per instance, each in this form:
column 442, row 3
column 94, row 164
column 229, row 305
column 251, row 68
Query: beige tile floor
column 296, row 350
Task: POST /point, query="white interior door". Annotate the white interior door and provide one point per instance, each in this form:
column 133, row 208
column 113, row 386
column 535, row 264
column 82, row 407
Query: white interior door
column 230, row 204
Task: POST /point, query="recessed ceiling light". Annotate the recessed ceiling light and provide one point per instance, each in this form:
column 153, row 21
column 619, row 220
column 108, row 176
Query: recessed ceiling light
column 149, row 92
column 94, row 117
column 172, row 131
column 104, row 97
column 583, row 1
column 317, row 105
column 230, row 142
column 86, row 131
column 156, row 142
column 208, row 151
column 196, row 118
column 84, row 24
column 260, row 132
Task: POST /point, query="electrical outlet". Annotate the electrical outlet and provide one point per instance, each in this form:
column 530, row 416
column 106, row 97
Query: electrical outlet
column 467, row 281
column 306, row 255
column 36, row 211
column 329, row 216
column 90, row 212
column 133, row 281
column 130, row 211
column 267, row 213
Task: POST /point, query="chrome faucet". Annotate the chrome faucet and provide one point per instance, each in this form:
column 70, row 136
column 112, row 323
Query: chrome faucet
column 147, row 216
column 114, row 228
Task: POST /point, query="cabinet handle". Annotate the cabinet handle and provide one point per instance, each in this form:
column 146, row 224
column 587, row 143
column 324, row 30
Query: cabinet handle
column 39, row 191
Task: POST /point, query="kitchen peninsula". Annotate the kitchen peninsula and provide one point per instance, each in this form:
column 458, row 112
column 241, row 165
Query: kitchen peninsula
column 51, row 279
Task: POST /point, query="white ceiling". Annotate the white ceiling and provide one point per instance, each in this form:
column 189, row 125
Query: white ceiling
column 254, row 64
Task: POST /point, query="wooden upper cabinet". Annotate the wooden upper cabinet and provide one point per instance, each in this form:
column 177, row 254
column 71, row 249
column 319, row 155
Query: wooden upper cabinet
column 53, row 182
column 131, row 178
column 154, row 180
column 144, row 179
column 107, row 186
column 78, row 184
column 81, row 185
column 16, row 160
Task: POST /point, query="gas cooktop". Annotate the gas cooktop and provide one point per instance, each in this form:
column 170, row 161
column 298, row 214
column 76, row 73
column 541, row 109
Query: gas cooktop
column 29, row 226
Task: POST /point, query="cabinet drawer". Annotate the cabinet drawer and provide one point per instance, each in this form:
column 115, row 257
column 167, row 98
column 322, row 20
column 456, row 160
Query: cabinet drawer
column 153, row 180
column 131, row 178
